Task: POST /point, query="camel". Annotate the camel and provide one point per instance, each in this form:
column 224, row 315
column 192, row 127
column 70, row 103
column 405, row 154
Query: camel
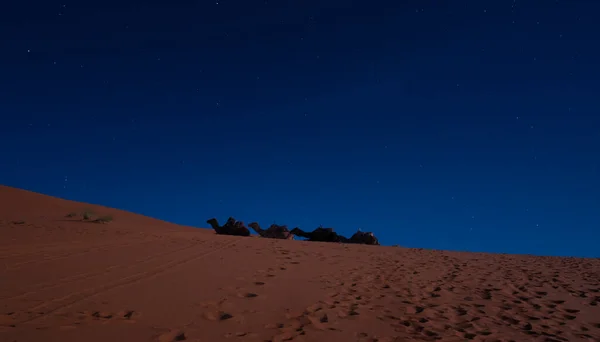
column 328, row 235
column 232, row 227
column 367, row 238
column 320, row 234
column 275, row 231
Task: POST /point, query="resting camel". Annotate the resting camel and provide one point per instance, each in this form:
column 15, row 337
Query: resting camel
column 328, row 235
column 273, row 232
column 320, row 234
column 232, row 227
column 366, row 238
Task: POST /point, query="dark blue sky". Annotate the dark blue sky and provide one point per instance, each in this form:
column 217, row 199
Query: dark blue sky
column 463, row 125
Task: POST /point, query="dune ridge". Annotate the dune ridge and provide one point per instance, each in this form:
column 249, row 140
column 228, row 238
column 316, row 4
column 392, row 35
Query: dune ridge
column 141, row 279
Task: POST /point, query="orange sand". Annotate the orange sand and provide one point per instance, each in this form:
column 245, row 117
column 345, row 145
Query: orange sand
column 141, row 279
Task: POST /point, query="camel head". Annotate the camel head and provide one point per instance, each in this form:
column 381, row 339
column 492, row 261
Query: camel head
column 213, row 223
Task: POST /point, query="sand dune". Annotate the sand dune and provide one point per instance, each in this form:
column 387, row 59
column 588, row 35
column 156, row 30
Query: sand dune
column 141, row 279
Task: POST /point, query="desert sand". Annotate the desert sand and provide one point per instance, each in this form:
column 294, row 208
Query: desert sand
column 142, row 279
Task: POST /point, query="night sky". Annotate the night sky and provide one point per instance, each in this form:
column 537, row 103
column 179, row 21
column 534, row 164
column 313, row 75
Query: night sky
column 461, row 125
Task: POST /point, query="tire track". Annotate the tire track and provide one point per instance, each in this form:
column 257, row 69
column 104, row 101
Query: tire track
column 8, row 251
column 10, row 248
column 90, row 275
column 88, row 250
column 135, row 278
column 35, row 250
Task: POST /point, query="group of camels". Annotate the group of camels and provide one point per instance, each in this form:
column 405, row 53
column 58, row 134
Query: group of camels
column 235, row 227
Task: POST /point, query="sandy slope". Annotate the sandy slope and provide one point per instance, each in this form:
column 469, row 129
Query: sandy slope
column 140, row 279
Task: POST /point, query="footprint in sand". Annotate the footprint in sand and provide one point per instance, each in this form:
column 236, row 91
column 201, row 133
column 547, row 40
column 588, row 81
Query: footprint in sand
column 415, row 310
column 171, row 336
column 247, row 295
column 221, row 310
column 217, row 315
column 127, row 316
column 241, row 334
column 7, row 319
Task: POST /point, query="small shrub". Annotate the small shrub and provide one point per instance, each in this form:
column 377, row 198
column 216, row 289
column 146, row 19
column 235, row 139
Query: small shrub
column 104, row 219
column 87, row 215
column 72, row 214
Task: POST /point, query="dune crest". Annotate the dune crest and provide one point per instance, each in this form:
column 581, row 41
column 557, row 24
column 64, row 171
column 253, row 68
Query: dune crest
column 79, row 272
